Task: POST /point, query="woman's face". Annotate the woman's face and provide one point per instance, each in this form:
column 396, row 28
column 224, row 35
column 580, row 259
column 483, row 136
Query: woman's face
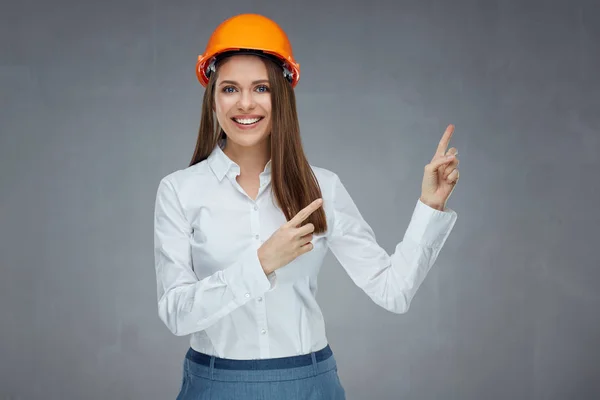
column 243, row 100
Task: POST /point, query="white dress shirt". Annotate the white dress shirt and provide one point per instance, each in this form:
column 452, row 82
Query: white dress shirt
column 211, row 284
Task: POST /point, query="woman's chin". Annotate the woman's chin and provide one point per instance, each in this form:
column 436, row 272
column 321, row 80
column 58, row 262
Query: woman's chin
column 248, row 138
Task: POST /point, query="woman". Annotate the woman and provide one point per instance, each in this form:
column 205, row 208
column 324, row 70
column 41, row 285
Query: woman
column 240, row 235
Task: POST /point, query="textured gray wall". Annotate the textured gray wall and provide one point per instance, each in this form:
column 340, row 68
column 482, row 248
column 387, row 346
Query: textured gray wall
column 98, row 101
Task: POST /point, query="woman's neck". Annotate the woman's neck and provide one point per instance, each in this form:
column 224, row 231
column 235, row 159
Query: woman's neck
column 252, row 160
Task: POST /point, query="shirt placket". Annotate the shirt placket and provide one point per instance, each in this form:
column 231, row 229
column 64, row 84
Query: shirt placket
column 259, row 302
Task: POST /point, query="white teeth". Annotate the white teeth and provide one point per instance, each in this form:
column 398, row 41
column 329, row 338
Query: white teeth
column 246, row 121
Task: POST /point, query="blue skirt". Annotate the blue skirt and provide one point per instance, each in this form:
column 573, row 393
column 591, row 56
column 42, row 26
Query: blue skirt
column 307, row 377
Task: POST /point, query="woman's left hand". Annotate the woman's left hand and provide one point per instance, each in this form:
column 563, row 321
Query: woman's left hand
column 441, row 174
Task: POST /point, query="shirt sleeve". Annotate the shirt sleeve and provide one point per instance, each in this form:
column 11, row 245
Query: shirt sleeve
column 391, row 281
column 185, row 303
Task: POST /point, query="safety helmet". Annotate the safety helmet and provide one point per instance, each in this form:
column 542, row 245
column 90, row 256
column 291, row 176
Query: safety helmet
column 248, row 34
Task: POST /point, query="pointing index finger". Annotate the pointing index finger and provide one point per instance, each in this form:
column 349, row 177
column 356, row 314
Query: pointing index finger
column 305, row 212
column 445, row 141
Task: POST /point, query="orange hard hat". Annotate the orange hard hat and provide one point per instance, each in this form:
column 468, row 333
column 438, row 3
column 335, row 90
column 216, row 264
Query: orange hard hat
column 248, row 34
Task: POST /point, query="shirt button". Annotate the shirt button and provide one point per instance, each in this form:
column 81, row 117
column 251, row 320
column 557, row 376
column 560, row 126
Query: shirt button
column 247, row 295
column 256, row 237
column 255, row 208
column 259, row 299
column 263, row 331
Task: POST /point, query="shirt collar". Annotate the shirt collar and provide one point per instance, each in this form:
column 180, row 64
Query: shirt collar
column 221, row 164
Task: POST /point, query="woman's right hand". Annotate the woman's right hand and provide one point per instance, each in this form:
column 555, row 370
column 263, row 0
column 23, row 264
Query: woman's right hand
column 289, row 241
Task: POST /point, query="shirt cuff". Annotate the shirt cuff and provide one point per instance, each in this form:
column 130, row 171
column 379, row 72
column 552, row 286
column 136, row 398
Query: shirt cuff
column 247, row 279
column 430, row 227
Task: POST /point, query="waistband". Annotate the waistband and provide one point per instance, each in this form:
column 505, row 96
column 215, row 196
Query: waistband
column 259, row 364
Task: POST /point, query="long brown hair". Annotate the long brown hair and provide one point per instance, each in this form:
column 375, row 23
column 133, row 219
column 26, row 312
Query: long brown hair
column 293, row 181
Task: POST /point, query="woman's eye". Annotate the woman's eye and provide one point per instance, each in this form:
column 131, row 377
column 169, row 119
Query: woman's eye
column 231, row 89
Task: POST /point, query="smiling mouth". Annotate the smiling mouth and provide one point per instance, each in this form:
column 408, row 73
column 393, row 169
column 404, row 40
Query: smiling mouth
column 247, row 121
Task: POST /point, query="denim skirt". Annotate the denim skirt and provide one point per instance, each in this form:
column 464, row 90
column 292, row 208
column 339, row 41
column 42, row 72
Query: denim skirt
column 306, row 377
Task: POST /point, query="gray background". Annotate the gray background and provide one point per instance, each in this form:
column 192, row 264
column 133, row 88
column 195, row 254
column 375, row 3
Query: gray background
column 99, row 100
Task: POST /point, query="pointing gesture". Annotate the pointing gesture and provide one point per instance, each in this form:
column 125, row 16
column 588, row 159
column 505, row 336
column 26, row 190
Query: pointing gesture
column 289, row 241
column 441, row 174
